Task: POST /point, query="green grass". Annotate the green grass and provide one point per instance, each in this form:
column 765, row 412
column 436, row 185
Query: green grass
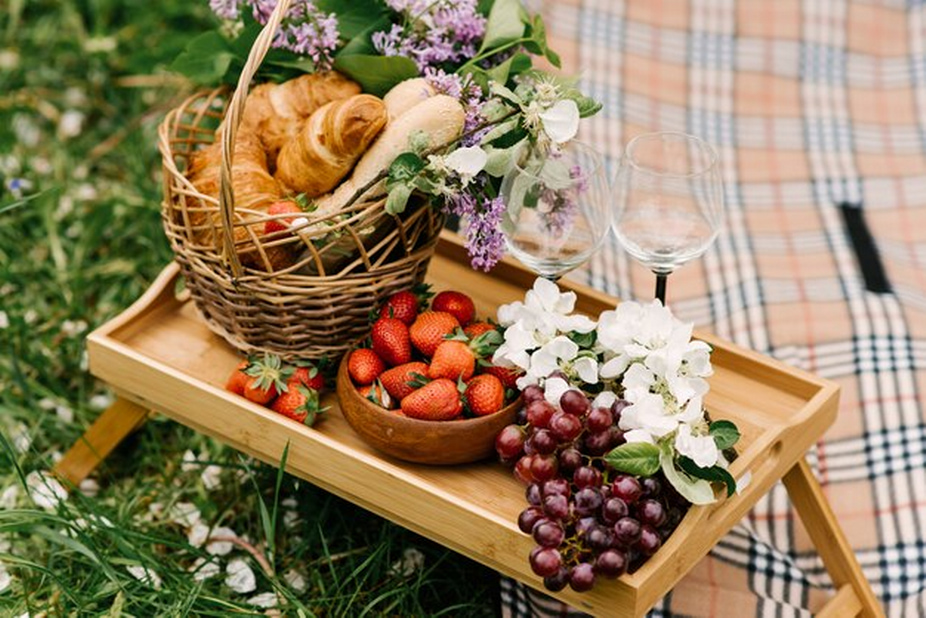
column 80, row 245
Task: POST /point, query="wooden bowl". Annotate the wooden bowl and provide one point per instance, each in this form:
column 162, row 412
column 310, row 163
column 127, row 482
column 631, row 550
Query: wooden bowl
column 427, row 442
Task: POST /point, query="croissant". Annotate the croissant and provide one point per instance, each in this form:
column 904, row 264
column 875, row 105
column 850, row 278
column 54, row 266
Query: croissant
column 329, row 144
column 276, row 112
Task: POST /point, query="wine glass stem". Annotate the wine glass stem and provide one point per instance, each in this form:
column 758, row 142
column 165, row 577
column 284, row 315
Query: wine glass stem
column 661, row 287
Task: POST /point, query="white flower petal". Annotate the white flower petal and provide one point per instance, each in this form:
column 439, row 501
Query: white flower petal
column 604, row 399
column 184, row 514
column 587, row 369
column 639, row 435
column 9, row 497
column 239, row 576
column 203, row 569
column 198, row 534
column 412, row 561
column 211, row 476
column 145, row 575
column 6, row 580
column 700, row 449
column 553, row 390
column 562, row 347
column 220, row 548
column 295, row 580
column 467, row 161
column 561, row 121
column 264, row 599
column 45, row 490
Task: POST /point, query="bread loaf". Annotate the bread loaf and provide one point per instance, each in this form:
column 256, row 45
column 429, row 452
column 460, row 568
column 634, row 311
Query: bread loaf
column 328, row 146
column 405, row 95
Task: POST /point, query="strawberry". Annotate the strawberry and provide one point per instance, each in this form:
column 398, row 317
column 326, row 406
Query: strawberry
column 268, row 379
column 309, row 375
column 299, row 403
column 477, row 328
column 377, row 394
column 400, row 381
column 435, row 401
column 281, row 208
column 364, row 366
column 484, row 395
column 238, row 379
column 405, row 305
column 507, row 375
column 391, row 341
column 429, row 330
column 453, row 360
column 457, row 304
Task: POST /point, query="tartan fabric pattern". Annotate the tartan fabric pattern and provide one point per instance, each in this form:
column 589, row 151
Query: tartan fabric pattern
column 811, row 104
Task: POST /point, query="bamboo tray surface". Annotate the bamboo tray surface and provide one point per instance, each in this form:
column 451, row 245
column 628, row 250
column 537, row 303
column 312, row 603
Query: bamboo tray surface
column 160, row 354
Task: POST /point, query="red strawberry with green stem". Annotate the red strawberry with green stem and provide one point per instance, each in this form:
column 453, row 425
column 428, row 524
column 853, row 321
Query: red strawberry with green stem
column 438, row 400
column 430, row 329
column 484, row 395
column 364, row 366
column 299, row 403
column 391, row 341
column 457, row 304
column 309, row 375
column 400, row 381
column 453, row 360
column 268, row 378
column 238, row 380
column 508, row 375
column 377, row 394
column 405, row 305
column 281, row 208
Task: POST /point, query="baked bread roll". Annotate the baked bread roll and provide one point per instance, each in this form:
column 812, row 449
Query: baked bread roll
column 328, row 146
column 439, row 117
column 405, row 95
column 276, row 112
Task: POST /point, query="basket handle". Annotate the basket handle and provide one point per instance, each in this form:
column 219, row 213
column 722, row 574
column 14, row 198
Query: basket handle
column 230, row 130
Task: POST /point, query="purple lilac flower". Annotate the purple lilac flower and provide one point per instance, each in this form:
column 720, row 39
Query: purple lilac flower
column 305, row 30
column 468, row 93
column 226, row 9
column 564, row 205
column 485, row 241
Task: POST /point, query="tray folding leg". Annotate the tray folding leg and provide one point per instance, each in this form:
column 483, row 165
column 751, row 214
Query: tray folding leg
column 854, row 596
column 108, row 430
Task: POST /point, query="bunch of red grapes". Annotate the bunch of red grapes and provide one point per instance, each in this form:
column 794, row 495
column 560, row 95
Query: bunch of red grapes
column 588, row 519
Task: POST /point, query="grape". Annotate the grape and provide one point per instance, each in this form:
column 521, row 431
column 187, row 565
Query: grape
column 548, row 534
column 532, row 393
column 585, row 525
column 611, row 563
column 673, row 517
column 522, row 469
column 545, row 562
column 565, row 427
column 539, row 413
column 509, row 444
column 599, row 419
column 613, row 509
column 627, row 531
column 556, row 506
column 520, row 417
column 543, row 442
column 651, row 487
column 599, row 538
column 582, row 577
column 617, row 407
column 569, row 459
column 556, row 486
column 627, row 488
column 617, row 436
column 543, row 467
column 598, row 443
column 529, row 517
column 651, row 512
column 533, row 494
column 586, row 476
column 574, row 402
column 649, row 541
column 587, row 501
column 557, row 581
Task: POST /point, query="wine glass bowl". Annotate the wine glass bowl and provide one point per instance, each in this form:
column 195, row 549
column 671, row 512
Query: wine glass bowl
column 669, row 200
column 557, row 213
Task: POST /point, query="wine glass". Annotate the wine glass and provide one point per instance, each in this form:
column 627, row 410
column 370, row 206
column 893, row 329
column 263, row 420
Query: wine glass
column 557, row 212
column 669, row 201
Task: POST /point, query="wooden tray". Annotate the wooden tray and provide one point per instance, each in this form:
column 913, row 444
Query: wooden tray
column 160, row 354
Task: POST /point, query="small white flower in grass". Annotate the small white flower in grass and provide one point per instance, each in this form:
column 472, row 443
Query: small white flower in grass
column 561, row 121
column 466, row 161
column 47, row 403
column 4, row 320
column 89, row 487
column 197, row 534
column 184, row 514
column 85, row 192
column 190, row 461
column 6, row 580
column 65, row 414
column 9, row 497
column 211, row 477
column 72, row 328
column 264, row 599
column 41, row 166
column 145, row 576
column 30, row 316
column 9, row 59
column 291, row 519
column 700, row 449
column 295, row 580
column 22, row 440
column 101, row 401
column 411, row 562
column 203, row 569
column 70, row 124
column 239, row 576
column 221, row 548
column 45, row 490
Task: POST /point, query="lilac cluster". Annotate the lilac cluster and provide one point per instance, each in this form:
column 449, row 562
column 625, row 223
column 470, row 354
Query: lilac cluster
column 305, row 31
column 470, row 95
column 485, row 241
column 559, row 218
column 432, row 32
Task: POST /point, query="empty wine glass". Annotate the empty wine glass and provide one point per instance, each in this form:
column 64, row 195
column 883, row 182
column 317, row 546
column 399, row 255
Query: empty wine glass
column 669, row 196
column 557, row 211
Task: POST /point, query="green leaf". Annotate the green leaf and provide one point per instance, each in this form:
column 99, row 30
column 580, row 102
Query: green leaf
column 638, row 458
column 583, row 340
column 499, row 130
column 515, row 65
column 354, row 16
column 405, row 167
column 504, row 24
column 587, row 105
column 553, row 57
column 725, row 434
column 500, row 90
column 205, row 59
column 696, row 491
column 398, row 198
column 362, row 43
column 501, row 160
column 714, row 474
column 376, row 74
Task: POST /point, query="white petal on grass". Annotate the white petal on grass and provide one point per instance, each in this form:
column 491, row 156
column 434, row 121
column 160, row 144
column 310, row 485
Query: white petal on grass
column 211, row 476
column 45, row 490
column 198, row 534
column 9, row 497
column 295, row 580
column 264, row 599
column 291, row 519
column 70, row 124
column 65, row 414
column 190, row 461
column 101, row 401
column 411, row 562
column 145, row 576
column 6, row 580
column 22, row 440
column 204, row 569
column 561, row 121
column 4, row 320
column 239, row 576
column 184, row 514
column 90, row 488
column 221, row 548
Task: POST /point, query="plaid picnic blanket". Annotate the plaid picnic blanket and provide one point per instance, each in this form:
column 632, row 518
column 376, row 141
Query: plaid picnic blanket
column 818, row 111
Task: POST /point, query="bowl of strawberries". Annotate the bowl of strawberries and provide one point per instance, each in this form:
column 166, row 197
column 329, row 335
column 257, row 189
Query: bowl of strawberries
column 421, row 387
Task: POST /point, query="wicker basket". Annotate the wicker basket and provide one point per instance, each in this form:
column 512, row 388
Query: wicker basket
column 314, row 307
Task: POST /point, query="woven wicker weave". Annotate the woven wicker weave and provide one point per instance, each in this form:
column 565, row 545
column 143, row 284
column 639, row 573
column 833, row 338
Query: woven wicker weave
column 343, row 268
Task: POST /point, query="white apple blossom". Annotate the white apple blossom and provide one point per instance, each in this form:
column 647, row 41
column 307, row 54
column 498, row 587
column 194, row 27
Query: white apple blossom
column 561, row 121
column 700, row 449
column 554, row 388
column 467, row 161
column 604, row 399
column 239, row 576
